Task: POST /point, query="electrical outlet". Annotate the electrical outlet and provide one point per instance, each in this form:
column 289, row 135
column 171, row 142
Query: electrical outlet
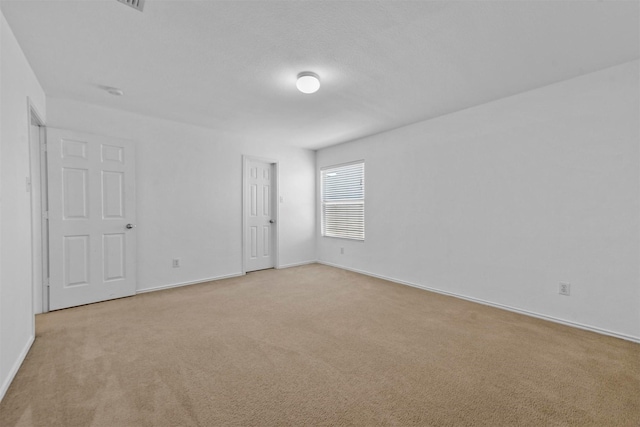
column 564, row 289
column 176, row 262
column 341, row 251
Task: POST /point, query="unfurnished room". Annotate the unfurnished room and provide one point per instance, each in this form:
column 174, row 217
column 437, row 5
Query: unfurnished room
column 319, row 213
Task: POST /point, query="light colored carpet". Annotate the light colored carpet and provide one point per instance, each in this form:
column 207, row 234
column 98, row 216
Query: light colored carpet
column 315, row 345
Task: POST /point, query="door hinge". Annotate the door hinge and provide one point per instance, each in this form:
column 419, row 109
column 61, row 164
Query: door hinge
column 43, row 146
column 45, row 215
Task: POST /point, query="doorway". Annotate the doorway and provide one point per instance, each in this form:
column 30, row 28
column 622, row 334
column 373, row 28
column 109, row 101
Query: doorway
column 260, row 214
column 37, row 185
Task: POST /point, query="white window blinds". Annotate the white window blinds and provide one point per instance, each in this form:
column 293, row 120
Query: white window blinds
column 343, row 201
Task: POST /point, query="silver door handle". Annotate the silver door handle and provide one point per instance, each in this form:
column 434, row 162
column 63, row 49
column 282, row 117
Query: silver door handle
column 271, row 221
column 130, row 226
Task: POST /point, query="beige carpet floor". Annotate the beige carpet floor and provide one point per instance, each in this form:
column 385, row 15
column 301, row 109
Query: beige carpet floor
column 317, row 346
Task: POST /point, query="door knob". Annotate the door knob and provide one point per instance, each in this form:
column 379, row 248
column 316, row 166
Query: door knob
column 271, row 221
column 130, row 226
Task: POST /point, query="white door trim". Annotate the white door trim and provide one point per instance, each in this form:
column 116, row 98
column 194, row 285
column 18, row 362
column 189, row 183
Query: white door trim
column 245, row 166
column 38, row 218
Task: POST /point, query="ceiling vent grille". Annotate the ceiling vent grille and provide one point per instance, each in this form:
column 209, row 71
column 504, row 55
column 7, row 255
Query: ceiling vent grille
column 136, row 4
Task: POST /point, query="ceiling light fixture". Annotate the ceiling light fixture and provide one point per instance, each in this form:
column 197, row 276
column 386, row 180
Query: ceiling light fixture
column 308, row 82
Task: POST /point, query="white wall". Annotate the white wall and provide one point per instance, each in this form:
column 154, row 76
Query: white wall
column 503, row 201
column 189, row 188
column 17, row 82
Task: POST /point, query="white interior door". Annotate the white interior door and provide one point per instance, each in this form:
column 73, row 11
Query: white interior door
column 92, row 214
column 259, row 215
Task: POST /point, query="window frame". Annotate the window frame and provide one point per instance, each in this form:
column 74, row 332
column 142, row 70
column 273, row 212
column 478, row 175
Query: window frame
column 347, row 201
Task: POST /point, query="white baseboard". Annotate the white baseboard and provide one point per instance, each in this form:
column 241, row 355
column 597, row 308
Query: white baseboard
column 296, row 264
column 210, row 279
column 16, row 366
column 195, row 282
column 493, row 304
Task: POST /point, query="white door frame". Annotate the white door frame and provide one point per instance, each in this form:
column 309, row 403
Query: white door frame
column 276, row 206
column 39, row 218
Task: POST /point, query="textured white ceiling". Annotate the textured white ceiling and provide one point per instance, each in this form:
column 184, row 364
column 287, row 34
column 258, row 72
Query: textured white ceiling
column 232, row 66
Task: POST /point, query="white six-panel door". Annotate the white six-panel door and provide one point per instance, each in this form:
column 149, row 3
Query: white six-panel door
column 92, row 217
column 259, row 215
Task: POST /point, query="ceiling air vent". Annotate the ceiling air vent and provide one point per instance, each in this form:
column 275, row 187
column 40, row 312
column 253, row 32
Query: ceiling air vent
column 136, row 4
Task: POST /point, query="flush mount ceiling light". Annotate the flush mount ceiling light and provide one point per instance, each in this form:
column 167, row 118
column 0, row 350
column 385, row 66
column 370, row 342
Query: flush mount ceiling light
column 308, row 82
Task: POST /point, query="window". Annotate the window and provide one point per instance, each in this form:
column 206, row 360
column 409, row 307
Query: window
column 343, row 201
